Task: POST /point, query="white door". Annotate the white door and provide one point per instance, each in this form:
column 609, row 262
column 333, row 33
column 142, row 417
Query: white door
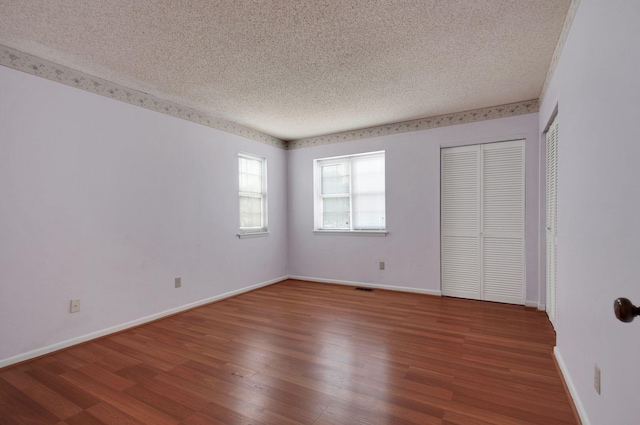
column 460, row 222
column 482, row 216
column 551, row 221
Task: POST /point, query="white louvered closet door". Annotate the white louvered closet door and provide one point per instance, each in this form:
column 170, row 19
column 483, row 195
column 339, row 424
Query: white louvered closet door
column 552, row 214
column 503, row 222
column 460, row 221
column 482, row 216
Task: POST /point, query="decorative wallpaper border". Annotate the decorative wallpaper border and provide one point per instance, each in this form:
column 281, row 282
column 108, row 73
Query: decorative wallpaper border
column 571, row 13
column 33, row 65
column 495, row 112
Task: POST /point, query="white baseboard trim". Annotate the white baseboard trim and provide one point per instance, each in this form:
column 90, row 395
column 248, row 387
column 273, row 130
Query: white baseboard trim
column 370, row 285
column 534, row 304
column 88, row 337
column 572, row 389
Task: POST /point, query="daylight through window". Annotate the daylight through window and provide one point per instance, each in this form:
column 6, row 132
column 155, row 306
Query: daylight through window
column 253, row 193
column 350, row 193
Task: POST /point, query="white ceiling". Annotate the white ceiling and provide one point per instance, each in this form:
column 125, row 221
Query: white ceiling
column 298, row 68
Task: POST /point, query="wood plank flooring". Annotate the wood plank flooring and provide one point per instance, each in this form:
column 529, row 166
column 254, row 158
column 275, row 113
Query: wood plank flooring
column 304, row 353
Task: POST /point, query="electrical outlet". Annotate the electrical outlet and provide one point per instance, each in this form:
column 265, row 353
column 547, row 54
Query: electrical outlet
column 381, row 265
column 75, row 305
column 596, row 377
column 178, row 282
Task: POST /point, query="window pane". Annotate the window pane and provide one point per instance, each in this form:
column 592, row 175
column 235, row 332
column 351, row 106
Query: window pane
column 368, row 212
column 250, row 175
column 368, row 174
column 253, row 183
column 368, row 192
column 335, row 213
column 250, row 212
column 335, row 179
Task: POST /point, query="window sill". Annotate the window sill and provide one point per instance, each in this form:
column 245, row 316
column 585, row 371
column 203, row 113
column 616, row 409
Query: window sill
column 252, row 235
column 352, row 232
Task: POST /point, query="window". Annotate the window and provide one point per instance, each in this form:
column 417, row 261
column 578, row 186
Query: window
column 252, row 171
column 350, row 193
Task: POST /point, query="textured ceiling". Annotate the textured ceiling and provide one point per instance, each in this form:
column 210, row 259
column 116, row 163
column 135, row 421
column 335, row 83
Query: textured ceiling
column 295, row 69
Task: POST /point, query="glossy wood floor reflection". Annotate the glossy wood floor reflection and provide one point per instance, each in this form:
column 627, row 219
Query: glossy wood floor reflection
column 304, row 353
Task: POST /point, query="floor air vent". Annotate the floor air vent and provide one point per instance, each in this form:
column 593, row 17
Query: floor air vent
column 359, row 288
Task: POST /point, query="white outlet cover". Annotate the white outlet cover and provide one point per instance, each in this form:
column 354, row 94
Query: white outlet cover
column 75, row 305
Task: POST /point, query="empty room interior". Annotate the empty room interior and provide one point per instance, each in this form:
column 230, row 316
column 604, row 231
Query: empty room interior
column 319, row 212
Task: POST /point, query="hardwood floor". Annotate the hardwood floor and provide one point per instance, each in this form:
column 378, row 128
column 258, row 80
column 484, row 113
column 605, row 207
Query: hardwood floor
column 304, row 353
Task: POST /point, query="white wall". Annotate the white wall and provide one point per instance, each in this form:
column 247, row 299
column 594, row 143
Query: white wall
column 597, row 89
column 411, row 250
column 108, row 202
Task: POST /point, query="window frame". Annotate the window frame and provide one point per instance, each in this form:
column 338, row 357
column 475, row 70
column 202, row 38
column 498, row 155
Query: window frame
column 318, row 196
column 245, row 232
